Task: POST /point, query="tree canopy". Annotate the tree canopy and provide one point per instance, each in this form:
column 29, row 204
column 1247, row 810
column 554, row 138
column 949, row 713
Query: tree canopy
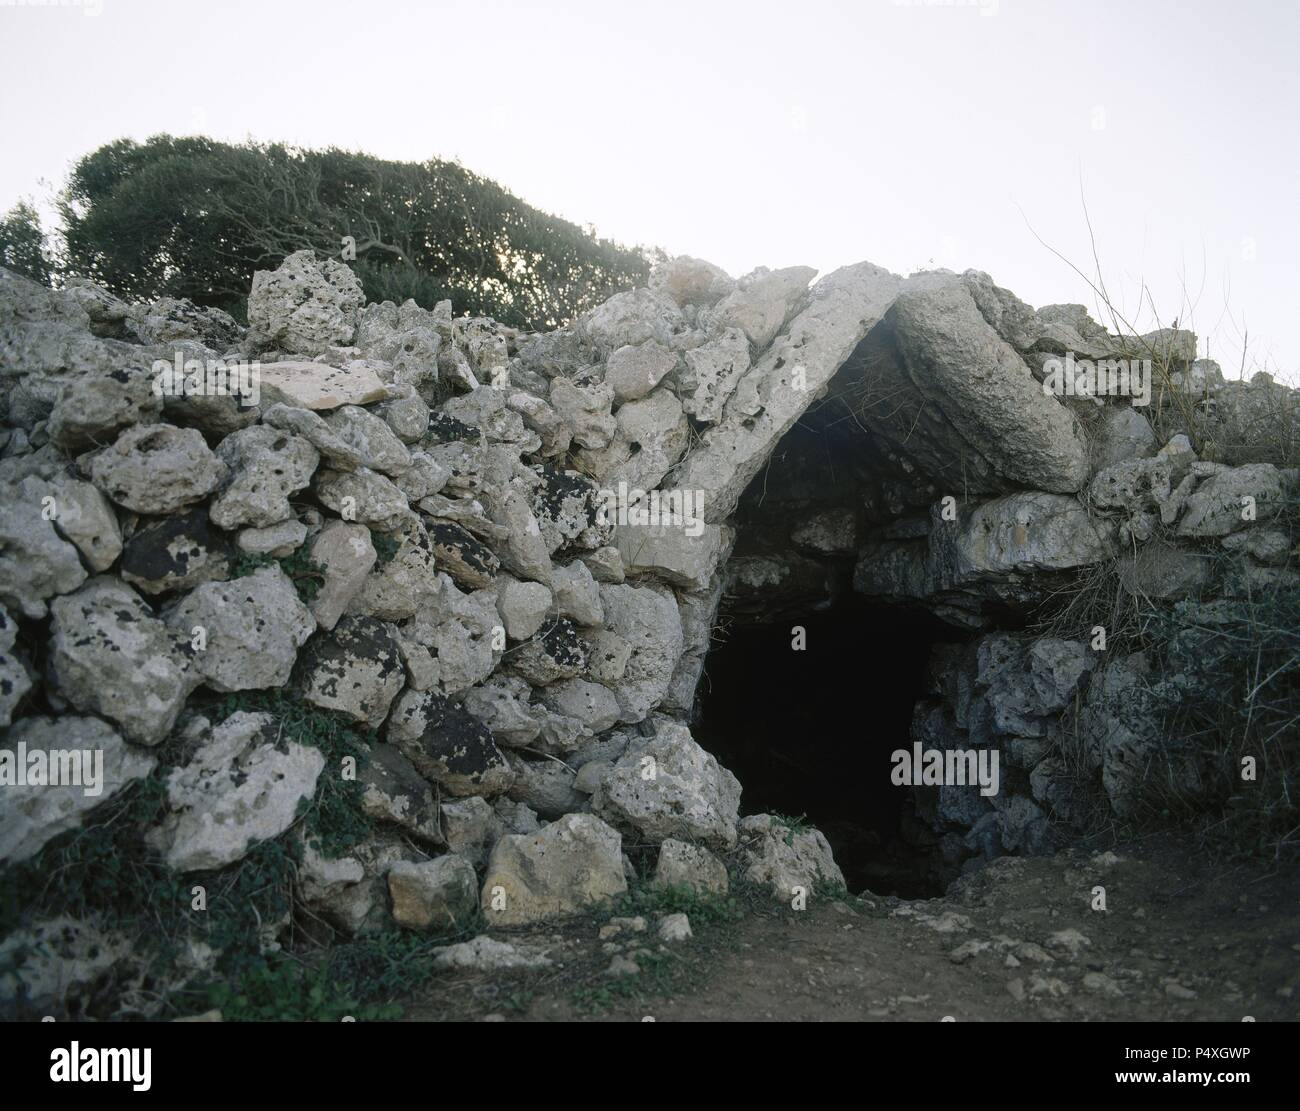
column 193, row 217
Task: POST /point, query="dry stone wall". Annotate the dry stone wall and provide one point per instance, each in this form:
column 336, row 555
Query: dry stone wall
column 501, row 557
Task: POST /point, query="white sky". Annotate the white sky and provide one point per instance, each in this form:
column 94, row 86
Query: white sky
column 757, row 133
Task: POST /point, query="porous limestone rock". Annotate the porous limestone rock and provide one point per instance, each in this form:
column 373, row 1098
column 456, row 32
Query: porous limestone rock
column 672, row 788
column 305, row 305
column 252, row 628
column 109, row 655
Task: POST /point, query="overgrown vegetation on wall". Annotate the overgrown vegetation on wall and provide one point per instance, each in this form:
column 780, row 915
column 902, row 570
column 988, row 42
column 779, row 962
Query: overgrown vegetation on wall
column 194, row 217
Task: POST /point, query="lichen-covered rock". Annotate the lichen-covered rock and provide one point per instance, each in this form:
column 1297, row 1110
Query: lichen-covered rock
column 157, row 469
column 176, row 553
column 448, row 745
column 399, row 587
column 356, row 669
column 569, row 867
column 671, row 787
column 109, row 655
column 252, row 628
column 91, row 407
column 557, row 652
column 305, row 306
column 171, row 319
column 394, row 792
column 35, row 812
column 472, row 564
column 239, row 788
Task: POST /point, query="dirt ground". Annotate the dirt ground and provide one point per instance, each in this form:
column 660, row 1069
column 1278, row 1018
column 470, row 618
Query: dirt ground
column 1183, row 937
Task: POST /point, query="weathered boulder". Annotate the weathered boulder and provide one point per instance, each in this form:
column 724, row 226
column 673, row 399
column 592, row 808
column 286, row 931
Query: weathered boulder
column 264, row 467
column 176, row 553
column 252, row 628
column 686, row 867
column 438, row 894
column 356, row 669
column 448, row 745
column 571, row 866
column 394, row 792
column 672, row 788
column 82, row 761
column 647, row 618
column 371, row 438
column 157, row 469
column 842, row 308
column 786, row 859
column 304, row 306
column 36, row 563
column 239, row 788
column 109, row 655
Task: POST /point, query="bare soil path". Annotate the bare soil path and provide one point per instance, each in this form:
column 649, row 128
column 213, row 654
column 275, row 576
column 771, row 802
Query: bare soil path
column 1183, row 938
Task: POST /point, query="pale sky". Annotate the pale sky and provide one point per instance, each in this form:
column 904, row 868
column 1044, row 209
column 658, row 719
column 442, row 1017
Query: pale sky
column 756, row 133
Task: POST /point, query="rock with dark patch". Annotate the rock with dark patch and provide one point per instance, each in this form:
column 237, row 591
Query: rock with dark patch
column 448, row 745
column 356, row 670
column 557, row 652
column 393, row 791
column 471, row 564
column 401, row 586
column 176, row 553
column 239, row 788
column 84, row 517
column 92, row 408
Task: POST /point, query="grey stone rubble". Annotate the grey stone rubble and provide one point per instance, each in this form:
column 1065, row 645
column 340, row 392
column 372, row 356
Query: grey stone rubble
column 490, row 601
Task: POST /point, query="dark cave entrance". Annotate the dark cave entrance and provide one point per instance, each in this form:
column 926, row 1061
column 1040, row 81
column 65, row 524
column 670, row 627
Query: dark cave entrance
column 811, row 732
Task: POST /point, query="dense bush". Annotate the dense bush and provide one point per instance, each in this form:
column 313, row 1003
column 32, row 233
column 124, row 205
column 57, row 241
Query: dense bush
column 22, row 244
column 192, row 217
